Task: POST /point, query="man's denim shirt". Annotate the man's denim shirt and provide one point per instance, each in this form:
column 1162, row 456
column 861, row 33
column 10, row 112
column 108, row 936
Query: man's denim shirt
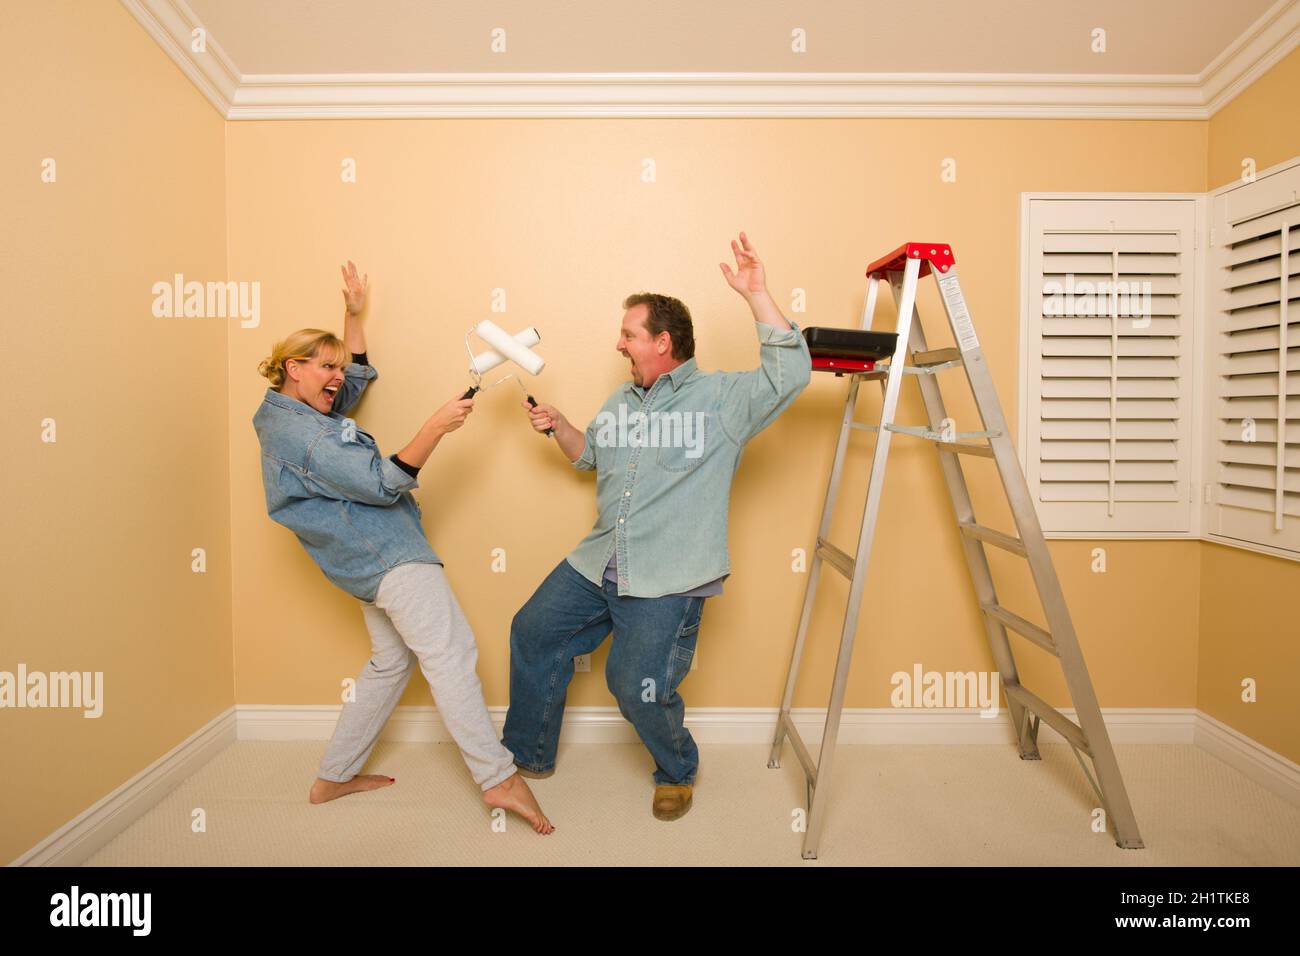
column 326, row 481
column 663, row 485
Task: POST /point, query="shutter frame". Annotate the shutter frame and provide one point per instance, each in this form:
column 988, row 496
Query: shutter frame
column 1112, row 393
column 1253, row 365
column 1123, row 382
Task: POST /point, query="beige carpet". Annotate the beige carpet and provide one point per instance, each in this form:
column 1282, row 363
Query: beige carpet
column 889, row 806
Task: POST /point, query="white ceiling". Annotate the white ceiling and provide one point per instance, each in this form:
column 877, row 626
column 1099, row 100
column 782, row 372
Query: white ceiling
column 578, row 36
column 1163, row 59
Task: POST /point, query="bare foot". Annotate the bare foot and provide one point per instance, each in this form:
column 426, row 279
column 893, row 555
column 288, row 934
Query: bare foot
column 324, row 790
column 513, row 794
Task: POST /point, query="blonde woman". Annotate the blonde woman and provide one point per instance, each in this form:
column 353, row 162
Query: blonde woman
column 353, row 511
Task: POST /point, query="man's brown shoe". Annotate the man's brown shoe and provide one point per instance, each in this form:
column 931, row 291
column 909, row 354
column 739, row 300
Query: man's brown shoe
column 671, row 801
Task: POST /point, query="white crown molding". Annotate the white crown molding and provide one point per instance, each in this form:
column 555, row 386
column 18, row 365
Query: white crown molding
column 1270, row 38
column 75, row 842
column 698, row 95
column 171, row 23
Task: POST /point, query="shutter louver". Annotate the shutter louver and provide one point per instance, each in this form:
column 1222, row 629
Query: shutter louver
column 1255, row 364
column 1110, row 346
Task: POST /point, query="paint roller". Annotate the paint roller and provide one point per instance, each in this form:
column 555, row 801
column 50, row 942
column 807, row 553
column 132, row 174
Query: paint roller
column 517, row 349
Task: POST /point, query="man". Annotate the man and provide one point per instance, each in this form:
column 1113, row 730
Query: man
column 664, row 448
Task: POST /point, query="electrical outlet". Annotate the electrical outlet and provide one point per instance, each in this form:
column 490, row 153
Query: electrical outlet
column 582, row 663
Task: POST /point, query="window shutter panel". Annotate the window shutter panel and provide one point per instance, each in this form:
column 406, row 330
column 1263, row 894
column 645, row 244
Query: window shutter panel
column 1255, row 363
column 1110, row 359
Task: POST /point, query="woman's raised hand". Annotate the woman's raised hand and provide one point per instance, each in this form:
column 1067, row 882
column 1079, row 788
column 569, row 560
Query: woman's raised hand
column 354, row 288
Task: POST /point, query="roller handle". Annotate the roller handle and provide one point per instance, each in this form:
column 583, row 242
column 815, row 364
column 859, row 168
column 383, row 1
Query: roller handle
column 533, row 402
column 469, row 392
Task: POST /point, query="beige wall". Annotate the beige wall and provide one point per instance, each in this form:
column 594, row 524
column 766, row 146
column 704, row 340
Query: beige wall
column 555, row 213
column 1248, row 621
column 100, row 524
column 1248, row 630
column 1260, row 124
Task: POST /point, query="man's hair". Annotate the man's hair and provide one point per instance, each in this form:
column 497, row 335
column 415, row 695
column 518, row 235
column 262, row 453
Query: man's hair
column 666, row 314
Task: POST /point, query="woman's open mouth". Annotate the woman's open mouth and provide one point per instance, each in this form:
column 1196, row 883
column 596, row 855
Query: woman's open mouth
column 329, row 392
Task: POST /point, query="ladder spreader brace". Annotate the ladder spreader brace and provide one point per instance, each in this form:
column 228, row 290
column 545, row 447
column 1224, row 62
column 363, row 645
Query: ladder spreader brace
column 903, row 268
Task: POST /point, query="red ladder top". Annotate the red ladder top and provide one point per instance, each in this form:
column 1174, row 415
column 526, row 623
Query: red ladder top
column 937, row 253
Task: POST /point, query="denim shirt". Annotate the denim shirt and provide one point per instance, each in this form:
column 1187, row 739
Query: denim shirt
column 663, row 482
column 326, row 481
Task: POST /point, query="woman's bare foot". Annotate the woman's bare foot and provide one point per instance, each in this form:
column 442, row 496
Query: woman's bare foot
column 323, row 790
column 513, row 794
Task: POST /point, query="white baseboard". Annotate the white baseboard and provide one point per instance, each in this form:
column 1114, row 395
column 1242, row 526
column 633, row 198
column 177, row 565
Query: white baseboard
column 78, row 839
column 739, row 725
column 75, row 842
column 1266, row 767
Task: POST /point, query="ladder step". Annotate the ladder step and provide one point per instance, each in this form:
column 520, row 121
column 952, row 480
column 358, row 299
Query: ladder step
column 1050, row 715
column 935, row 357
column 836, row 558
column 929, row 434
column 1021, row 626
column 800, row 748
column 965, row 448
column 1004, row 541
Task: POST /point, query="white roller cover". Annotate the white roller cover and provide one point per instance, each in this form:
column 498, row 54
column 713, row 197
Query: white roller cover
column 492, row 358
column 529, row 361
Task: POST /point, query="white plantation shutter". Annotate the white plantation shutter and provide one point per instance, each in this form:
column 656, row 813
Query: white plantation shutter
column 1109, row 375
column 1254, row 363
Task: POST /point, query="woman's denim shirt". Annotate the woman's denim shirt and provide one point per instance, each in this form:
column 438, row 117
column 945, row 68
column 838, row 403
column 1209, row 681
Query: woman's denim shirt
column 326, row 481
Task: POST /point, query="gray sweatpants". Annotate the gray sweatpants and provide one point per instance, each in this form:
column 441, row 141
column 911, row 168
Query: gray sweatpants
column 415, row 617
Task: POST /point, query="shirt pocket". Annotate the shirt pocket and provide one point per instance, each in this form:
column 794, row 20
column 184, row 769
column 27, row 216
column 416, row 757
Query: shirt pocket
column 684, row 441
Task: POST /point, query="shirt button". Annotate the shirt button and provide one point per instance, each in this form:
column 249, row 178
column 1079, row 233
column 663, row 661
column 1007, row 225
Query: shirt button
column 620, row 520
column 627, row 494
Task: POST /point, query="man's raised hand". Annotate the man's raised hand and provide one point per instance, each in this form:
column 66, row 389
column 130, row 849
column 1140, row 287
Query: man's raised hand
column 749, row 279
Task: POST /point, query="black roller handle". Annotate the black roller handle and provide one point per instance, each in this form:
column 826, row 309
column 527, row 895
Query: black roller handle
column 533, row 402
column 470, row 392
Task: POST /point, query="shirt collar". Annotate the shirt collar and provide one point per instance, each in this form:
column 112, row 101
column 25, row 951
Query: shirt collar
column 677, row 376
column 276, row 397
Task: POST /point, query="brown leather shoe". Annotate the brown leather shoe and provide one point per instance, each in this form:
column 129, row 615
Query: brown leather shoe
column 671, row 801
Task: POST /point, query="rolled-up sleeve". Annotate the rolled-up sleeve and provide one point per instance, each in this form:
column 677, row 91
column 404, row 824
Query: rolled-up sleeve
column 750, row 401
column 355, row 379
column 587, row 460
column 352, row 470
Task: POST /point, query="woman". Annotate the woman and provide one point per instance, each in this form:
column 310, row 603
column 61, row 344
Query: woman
column 353, row 511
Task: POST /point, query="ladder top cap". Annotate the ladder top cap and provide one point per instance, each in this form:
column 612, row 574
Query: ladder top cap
column 938, row 254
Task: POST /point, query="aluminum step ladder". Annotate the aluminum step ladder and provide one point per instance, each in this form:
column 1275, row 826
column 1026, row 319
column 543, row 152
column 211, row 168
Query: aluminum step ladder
column 903, row 268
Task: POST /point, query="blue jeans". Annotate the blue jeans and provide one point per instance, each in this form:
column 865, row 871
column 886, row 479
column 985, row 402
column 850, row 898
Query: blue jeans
column 654, row 641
